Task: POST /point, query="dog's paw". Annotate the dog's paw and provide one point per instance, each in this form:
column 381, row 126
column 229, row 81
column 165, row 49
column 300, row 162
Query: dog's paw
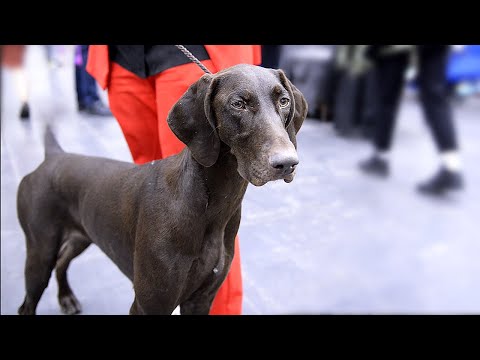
column 26, row 309
column 69, row 304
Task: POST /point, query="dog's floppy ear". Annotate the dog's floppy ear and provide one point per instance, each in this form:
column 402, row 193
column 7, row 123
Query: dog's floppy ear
column 191, row 120
column 298, row 108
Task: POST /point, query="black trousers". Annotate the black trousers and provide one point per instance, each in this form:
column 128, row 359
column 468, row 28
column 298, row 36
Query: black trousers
column 433, row 92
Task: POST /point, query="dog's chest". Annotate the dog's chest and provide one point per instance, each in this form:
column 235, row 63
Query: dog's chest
column 210, row 263
column 212, row 254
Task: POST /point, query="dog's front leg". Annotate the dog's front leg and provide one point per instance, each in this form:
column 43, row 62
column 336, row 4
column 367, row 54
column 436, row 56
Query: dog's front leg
column 195, row 308
column 136, row 309
column 151, row 306
column 201, row 301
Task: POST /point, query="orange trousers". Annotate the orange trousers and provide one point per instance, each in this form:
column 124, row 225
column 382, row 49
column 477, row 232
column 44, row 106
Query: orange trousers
column 141, row 107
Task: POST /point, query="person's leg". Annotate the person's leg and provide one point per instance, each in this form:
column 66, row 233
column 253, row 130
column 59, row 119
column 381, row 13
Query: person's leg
column 49, row 53
column 21, row 85
column 13, row 58
column 171, row 84
column 84, row 82
column 391, row 71
column 133, row 103
column 434, row 96
column 86, row 86
column 390, row 79
column 438, row 114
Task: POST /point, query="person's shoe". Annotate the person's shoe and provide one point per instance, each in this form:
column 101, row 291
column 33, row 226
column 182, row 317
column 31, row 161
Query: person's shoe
column 444, row 180
column 375, row 166
column 24, row 111
column 98, row 108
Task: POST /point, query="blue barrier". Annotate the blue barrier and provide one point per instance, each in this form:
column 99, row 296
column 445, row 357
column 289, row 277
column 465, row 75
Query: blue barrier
column 464, row 65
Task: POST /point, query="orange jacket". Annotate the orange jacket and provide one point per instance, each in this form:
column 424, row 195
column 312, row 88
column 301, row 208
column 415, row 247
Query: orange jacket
column 222, row 56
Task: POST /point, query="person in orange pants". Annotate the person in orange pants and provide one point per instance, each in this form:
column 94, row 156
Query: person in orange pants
column 144, row 82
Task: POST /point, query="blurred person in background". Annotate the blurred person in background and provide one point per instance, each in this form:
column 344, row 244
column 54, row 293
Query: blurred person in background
column 13, row 58
column 391, row 62
column 55, row 55
column 271, row 56
column 144, row 82
column 88, row 100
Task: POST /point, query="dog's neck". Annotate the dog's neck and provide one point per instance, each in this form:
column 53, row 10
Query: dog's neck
column 221, row 181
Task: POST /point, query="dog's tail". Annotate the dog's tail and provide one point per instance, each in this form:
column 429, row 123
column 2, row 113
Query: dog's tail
column 51, row 144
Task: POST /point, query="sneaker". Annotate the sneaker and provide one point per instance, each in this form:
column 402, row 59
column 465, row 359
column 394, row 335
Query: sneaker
column 375, row 166
column 97, row 108
column 442, row 182
column 24, row 111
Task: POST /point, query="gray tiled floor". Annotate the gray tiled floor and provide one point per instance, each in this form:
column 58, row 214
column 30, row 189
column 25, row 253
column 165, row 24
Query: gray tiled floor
column 332, row 241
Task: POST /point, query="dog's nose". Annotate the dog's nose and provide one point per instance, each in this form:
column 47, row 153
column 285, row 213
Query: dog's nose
column 285, row 164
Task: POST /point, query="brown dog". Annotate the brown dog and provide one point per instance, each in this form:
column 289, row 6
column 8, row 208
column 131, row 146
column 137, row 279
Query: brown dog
column 168, row 225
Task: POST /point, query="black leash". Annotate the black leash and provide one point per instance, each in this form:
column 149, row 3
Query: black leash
column 193, row 58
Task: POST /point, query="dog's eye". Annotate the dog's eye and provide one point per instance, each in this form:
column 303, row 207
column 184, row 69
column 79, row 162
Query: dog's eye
column 284, row 102
column 238, row 104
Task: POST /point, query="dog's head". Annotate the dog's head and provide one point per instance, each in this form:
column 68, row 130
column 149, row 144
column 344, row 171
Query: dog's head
column 253, row 110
